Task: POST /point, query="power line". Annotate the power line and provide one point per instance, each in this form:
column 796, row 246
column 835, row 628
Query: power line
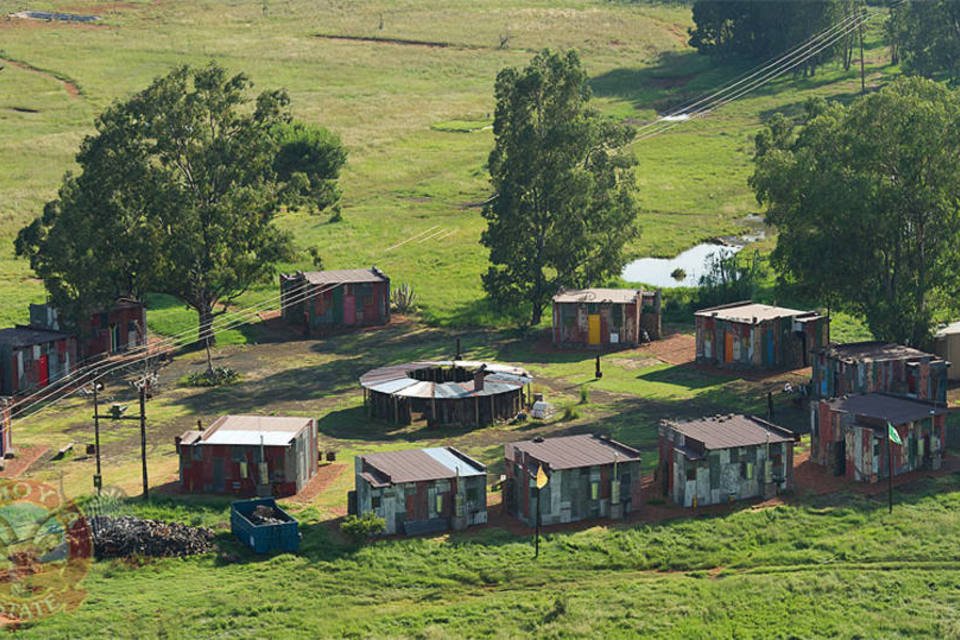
column 759, row 76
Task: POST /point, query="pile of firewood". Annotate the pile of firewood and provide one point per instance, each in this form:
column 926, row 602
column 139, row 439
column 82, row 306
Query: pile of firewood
column 265, row 514
column 126, row 536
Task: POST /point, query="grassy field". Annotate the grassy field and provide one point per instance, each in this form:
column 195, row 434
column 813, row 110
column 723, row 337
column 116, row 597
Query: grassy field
column 408, row 86
column 794, row 570
column 413, row 116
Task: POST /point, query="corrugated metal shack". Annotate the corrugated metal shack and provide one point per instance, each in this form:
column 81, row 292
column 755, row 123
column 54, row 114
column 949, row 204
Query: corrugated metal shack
column 446, row 392
column 946, row 344
column 867, row 367
column 849, row 435
column 119, row 329
column 33, row 358
column 422, row 490
column 328, row 300
column 590, row 476
column 759, row 336
column 249, row 456
column 724, row 458
column 594, row 317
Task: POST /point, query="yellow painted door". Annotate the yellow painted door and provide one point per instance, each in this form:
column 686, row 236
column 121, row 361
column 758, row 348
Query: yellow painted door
column 593, row 328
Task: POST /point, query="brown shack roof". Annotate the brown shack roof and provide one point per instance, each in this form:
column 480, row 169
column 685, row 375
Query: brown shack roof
column 874, row 351
column 19, row 337
column 752, row 313
column 615, row 296
column 345, row 276
column 884, row 407
column 732, row 430
column 420, row 465
column 571, row 452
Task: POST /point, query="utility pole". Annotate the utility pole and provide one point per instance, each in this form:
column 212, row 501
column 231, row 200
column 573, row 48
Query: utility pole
column 863, row 79
column 117, row 414
column 890, row 473
column 143, row 436
column 97, row 479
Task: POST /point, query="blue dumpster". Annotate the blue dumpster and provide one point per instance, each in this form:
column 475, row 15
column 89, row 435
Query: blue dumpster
column 263, row 526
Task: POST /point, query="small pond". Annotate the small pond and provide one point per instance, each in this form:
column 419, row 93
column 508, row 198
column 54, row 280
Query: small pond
column 656, row 272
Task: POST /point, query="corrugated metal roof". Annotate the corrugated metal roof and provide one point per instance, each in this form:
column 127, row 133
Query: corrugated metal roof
column 246, row 430
column 239, row 437
column 884, row 407
column 19, row 337
column 950, row 329
column 874, row 351
column 344, row 276
column 398, row 379
column 456, row 462
column 419, row 465
column 733, row 430
column 571, row 452
column 596, row 295
column 751, row 312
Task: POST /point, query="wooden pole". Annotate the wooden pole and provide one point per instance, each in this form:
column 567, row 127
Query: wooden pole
column 889, row 473
column 143, row 437
column 536, row 553
column 98, row 479
column 863, row 79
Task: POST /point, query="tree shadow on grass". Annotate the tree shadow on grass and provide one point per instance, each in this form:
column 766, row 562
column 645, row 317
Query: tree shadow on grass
column 687, row 376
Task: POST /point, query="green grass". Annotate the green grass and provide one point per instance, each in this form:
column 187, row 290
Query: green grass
column 414, row 118
column 800, row 570
column 416, row 122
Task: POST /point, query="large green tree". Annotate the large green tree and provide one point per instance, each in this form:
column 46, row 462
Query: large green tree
column 866, row 201
column 760, row 29
column 176, row 193
column 564, row 205
column 925, row 35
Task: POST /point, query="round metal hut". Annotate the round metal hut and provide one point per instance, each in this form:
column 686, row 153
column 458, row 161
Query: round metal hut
column 446, row 392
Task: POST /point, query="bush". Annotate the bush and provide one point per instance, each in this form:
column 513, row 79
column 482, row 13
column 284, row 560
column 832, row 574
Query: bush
column 570, row 412
column 729, row 278
column 214, row 377
column 584, row 394
column 361, row 529
column 403, row 299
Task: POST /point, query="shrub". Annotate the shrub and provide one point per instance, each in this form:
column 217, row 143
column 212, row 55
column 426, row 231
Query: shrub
column 584, row 394
column 570, row 412
column 360, row 529
column 403, row 299
column 213, row 377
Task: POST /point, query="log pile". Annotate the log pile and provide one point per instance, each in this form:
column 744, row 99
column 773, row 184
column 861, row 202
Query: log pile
column 265, row 514
column 126, row 536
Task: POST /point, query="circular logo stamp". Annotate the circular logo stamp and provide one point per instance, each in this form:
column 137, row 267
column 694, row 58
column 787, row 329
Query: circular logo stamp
column 46, row 547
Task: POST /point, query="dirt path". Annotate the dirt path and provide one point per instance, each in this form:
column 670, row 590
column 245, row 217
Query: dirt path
column 70, row 86
column 26, row 456
column 326, row 475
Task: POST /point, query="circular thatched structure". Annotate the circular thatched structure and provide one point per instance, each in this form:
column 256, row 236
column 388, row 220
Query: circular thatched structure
column 445, row 392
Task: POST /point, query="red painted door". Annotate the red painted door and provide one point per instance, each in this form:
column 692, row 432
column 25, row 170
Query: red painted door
column 43, row 370
column 349, row 309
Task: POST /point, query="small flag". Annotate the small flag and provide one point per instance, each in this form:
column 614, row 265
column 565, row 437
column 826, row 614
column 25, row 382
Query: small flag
column 893, row 435
column 542, row 478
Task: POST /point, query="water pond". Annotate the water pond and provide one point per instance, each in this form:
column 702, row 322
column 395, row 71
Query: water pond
column 659, row 272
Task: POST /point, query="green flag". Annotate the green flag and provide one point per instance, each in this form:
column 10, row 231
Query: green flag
column 893, row 435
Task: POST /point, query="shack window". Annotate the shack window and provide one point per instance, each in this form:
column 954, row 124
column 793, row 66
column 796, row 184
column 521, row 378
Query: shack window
column 439, row 503
column 375, row 502
column 691, row 473
column 594, row 490
column 237, row 454
column 593, row 307
column 746, row 470
column 197, row 452
column 473, row 494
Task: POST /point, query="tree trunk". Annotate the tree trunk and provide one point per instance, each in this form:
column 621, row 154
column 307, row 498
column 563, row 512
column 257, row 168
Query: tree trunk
column 206, row 334
column 536, row 315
